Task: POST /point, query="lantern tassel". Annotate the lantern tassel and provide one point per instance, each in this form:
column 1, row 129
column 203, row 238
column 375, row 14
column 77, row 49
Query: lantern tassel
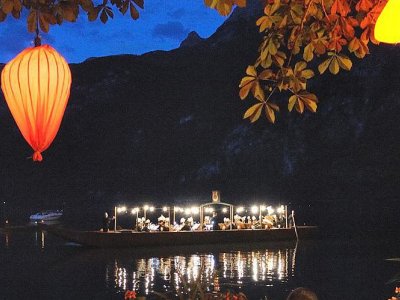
column 37, row 156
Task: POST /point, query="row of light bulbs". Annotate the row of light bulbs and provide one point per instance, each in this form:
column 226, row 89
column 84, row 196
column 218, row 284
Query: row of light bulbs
column 195, row 210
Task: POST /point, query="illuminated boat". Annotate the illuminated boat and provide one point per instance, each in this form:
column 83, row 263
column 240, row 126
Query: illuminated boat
column 131, row 239
column 47, row 215
column 257, row 223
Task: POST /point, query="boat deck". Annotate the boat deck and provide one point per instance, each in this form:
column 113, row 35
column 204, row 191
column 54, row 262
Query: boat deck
column 126, row 238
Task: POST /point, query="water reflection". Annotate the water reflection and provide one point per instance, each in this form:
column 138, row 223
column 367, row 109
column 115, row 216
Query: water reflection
column 227, row 269
column 40, row 239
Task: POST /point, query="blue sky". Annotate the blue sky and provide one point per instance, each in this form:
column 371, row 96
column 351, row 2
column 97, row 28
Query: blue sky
column 162, row 25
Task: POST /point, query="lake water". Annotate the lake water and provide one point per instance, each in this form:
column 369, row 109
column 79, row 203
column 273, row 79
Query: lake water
column 36, row 265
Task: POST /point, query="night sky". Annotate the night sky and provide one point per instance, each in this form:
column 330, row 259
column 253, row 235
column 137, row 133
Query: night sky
column 162, row 25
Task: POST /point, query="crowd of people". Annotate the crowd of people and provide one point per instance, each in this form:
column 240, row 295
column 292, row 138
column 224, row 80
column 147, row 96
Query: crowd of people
column 212, row 222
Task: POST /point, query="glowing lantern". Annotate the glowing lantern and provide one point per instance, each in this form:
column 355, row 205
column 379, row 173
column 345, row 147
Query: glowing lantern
column 36, row 85
column 387, row 27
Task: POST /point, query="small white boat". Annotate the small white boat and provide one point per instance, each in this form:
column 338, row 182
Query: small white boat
column 47, row 215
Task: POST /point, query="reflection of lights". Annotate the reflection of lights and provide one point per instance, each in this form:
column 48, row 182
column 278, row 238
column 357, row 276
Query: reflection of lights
column 266, row 267
column 280, row 209
column 151, row 208
column 42, row 239
column 224, row 210
column 254, row 209
column 7, row 240
column 146, row 207
column 165, row 209
column 240, row 209
column 135, row 210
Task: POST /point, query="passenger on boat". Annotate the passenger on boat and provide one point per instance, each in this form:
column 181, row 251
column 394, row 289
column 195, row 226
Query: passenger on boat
column 186, row 226
column 214, row 221
column 162, row 226
column 146, row 227
column 106, row 222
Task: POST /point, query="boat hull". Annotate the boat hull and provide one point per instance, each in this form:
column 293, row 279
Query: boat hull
column 128, row 239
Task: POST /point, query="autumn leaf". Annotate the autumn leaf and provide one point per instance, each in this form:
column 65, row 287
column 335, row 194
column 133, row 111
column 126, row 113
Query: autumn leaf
column 308, row 53
column 358, row 47
column 364, row 5
column 320, row 42
column 254, row 112
column 335, row 62
column 93, row 13
column 103, row 16
column 7, row 6
column 270, row 109
column 300, row 75
column 224, row 7
column 139, row 3
column 250, row 82
column 340, row 7
column 133, row 11
column 301, row 100
column 266, row 21
column 32, row 20
column 336, row 42
column 296, row 12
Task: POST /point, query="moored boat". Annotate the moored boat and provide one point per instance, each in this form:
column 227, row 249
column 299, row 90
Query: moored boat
column 127, row 238
column 47, row 215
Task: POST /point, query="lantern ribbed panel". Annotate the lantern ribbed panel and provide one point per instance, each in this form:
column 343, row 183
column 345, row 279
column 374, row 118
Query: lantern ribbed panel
column 36, row 85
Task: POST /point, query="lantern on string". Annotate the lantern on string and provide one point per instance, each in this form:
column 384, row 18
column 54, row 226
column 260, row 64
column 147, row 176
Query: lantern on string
column 36, row 86
column 387, row 27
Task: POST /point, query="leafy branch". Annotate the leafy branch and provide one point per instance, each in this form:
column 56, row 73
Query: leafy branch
column 296, row 33
column 52, row 12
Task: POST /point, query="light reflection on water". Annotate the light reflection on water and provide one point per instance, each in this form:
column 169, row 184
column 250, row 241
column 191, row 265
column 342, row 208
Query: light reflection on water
column 234, row 269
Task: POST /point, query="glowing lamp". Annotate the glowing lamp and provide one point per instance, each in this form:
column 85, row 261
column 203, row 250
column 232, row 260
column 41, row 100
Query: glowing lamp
column 36, row 86
column 387, row 27
column 240, row 209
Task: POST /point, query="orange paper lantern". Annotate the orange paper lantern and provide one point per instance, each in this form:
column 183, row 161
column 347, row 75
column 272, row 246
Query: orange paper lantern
column 36, row 85
column 387, row 27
